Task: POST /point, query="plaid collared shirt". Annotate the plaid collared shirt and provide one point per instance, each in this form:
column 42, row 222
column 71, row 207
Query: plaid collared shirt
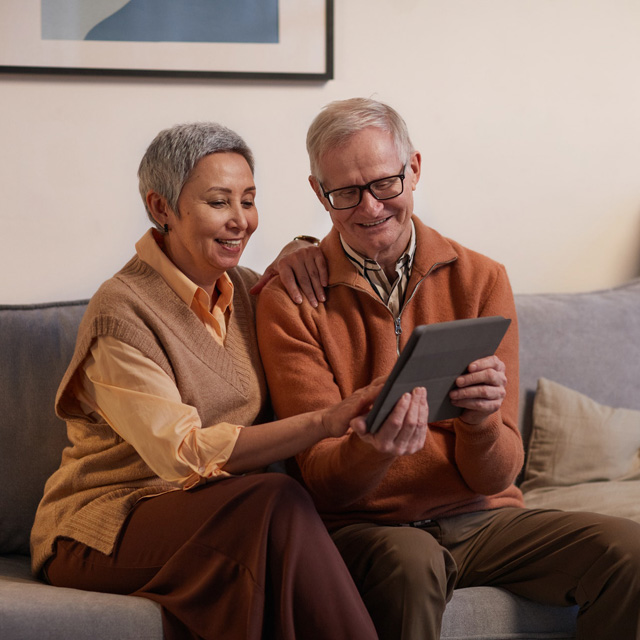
column 391, row 293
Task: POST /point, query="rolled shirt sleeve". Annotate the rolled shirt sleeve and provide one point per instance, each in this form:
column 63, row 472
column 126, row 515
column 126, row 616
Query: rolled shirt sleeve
column 143, row 406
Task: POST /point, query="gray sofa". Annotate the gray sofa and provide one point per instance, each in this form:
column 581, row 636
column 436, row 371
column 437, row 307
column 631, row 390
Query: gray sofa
column 589, row 342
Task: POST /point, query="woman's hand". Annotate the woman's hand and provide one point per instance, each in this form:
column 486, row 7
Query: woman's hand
column 301, row 266
column 481, row 391
column 404, row 431
column 401, row 434
column 337, row 419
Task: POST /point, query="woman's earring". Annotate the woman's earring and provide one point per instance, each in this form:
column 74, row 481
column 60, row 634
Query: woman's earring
column 166, row 228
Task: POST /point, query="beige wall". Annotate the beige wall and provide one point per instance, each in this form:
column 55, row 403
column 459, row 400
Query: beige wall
column 527, row 113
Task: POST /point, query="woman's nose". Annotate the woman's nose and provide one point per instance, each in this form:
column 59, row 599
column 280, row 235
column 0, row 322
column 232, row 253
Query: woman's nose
column 238, row 218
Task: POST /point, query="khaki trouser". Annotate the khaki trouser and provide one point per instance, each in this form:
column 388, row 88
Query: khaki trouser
column 243, row 558
column 406, row 575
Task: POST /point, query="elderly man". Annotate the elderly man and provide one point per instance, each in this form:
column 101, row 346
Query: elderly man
column 418, row 510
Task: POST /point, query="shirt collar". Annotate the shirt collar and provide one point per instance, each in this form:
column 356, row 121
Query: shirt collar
column 362, row 263
column 150, row 250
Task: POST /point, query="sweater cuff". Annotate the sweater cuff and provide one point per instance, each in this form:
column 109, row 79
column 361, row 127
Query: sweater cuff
column 485, row 431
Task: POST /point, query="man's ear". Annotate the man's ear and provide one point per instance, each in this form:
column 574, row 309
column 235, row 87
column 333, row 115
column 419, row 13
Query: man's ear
column 158, row 208
column 315, row 185
column 416, row 164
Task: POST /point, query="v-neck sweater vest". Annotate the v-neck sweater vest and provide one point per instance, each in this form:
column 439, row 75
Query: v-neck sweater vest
column 101, row 476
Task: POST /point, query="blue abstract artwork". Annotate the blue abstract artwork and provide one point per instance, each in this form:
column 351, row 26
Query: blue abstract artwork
column 239, row 21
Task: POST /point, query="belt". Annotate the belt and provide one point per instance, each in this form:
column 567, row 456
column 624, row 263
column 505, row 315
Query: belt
column 415, row 523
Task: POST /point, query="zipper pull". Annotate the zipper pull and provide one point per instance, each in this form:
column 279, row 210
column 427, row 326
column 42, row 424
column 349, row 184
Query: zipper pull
column 398, row 332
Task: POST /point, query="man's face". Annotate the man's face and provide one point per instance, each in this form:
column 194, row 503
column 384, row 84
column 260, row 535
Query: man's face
column 377, row 229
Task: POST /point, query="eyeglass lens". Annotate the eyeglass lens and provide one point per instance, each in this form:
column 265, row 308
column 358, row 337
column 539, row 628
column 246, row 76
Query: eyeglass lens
column 382, row 189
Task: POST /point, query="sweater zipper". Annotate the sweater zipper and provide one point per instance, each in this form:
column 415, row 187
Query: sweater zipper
column 398, row 327
column 398, row 320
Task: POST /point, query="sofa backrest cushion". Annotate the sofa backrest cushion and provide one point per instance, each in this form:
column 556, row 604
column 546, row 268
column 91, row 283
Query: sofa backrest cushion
column 589, row 342
column 36, row 344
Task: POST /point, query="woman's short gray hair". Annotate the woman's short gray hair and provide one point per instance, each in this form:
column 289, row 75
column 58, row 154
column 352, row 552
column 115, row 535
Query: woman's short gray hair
column 341, row 120
column 174, row 153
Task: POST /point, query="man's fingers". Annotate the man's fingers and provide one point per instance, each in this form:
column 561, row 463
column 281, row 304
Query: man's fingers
column 489, row 377
column 321, row 266
column 411, row 436
column 404, row 431
column 388, row 432
column 309, row 283
column 312, row 276
column 491, row 362
column 290, row 284
column 478, row 392
column 304, row 272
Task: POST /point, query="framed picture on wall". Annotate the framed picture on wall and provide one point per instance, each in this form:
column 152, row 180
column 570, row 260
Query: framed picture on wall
column 261, row 39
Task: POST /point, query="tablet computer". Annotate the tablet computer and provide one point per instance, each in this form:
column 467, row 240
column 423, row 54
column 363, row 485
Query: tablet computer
column 435, row 355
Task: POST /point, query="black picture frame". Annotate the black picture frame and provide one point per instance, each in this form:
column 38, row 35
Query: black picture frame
column 303, row 53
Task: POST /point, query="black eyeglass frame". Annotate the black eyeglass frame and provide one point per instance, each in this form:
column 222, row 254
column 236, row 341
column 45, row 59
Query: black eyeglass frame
column 365, row 187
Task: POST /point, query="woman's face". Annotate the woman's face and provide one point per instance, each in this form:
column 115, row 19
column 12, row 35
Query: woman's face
column 217, row 217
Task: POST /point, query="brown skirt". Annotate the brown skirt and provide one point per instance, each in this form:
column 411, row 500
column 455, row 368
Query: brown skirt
column 240, row 558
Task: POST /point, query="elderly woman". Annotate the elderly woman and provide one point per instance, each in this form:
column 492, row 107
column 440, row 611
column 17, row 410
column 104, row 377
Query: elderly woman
column 151, row 497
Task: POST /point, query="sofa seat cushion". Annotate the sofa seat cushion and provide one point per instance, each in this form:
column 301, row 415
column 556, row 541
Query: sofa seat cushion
column 30, row 609
column 490, row 613
column 613, row 498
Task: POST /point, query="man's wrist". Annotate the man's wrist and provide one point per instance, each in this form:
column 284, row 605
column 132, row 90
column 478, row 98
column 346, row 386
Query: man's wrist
column 311, row 239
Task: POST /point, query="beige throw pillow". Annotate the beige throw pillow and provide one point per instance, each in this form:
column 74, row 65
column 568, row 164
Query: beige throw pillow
column 613, row 498
column 577, row 440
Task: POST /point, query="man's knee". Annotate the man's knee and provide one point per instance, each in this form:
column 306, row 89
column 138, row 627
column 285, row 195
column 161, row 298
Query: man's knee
column 404, row 576
column 400, row 560
column 619, row 542
column 609, row 549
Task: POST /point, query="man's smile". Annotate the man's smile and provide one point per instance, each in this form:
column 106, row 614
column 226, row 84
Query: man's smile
column 375, row 223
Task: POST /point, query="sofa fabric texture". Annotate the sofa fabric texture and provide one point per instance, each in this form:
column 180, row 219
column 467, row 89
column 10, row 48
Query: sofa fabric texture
column 589, row 343
column 36, row 345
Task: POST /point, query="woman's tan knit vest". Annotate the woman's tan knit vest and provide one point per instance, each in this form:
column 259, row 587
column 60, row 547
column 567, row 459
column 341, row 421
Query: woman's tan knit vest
column 101, row 476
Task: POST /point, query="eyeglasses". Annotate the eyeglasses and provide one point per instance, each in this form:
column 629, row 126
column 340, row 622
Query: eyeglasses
column 380, row 189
